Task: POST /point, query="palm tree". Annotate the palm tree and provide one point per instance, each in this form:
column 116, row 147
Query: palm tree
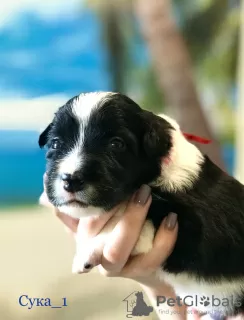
column 112, row 31
column 171, row 59
column 114, row 39
column 174, row 70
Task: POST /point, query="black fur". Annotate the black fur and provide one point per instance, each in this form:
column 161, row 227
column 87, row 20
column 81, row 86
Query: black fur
column 210, row 242
column 115, row 174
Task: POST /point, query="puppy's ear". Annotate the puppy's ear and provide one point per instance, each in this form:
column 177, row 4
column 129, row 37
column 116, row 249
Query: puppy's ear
column 44, row 136
column 158, row 135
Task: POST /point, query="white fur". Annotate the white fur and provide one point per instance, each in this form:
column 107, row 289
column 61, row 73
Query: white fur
column 82, row 108
column 183, row 165
column 78, row 212
column 86, row 102
column 173, row 123
column 74, row 210
column 145, row 242
column 72, row 162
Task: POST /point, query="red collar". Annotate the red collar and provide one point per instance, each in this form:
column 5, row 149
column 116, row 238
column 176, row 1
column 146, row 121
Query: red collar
column 192, row 137
column 189, row 137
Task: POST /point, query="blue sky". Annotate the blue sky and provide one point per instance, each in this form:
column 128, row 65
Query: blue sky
column 42, row 55
column 46, row 48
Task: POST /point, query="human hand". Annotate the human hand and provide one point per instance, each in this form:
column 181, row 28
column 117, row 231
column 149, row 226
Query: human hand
column 117, row 259
column 116, row 255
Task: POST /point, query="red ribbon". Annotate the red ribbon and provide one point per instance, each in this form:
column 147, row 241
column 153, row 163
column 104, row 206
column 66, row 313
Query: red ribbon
column 192, row 137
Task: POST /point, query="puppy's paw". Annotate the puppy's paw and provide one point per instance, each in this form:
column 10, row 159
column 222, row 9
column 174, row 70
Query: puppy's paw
column 81, row 266
column 85, row 263
column 88, row 255
column 75, row 265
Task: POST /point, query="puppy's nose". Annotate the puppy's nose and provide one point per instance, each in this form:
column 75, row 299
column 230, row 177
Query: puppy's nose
column 66, row 176
column 72, row 183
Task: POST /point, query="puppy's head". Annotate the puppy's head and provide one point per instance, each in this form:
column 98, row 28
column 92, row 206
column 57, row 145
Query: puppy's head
column 101, row 148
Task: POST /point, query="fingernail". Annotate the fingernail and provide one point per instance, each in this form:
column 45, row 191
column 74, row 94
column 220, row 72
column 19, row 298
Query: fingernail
column 142, row 195
column 170, row 221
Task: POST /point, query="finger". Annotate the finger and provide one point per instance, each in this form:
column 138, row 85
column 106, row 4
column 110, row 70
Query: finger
column 126, row 233
column 164, row 243
column 90, row 226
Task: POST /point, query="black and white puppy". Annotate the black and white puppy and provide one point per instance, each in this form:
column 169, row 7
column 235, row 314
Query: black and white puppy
column 102, row 147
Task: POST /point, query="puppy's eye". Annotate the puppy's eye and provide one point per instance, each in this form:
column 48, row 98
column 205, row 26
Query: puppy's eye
column 117, row 144
column 55, row 143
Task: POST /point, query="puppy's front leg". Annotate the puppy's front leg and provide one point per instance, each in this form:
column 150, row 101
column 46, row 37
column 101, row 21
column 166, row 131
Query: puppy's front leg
column 88, row 255
column 89, row 251
column 89, row 247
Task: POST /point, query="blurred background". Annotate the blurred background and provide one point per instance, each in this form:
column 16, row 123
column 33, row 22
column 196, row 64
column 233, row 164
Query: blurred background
column 183, row 58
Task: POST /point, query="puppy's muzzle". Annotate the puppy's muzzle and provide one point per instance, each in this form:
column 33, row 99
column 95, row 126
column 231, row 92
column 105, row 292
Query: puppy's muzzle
column 72, row 182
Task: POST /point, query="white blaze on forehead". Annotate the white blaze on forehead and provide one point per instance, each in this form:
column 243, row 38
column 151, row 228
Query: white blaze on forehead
column 85, row 103
column 82, row 108
column 71, row 162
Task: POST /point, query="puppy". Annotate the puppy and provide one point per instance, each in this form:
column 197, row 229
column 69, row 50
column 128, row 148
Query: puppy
column 102, row 147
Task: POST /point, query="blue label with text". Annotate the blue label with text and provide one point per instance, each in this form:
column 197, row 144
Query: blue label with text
column 30, row 303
